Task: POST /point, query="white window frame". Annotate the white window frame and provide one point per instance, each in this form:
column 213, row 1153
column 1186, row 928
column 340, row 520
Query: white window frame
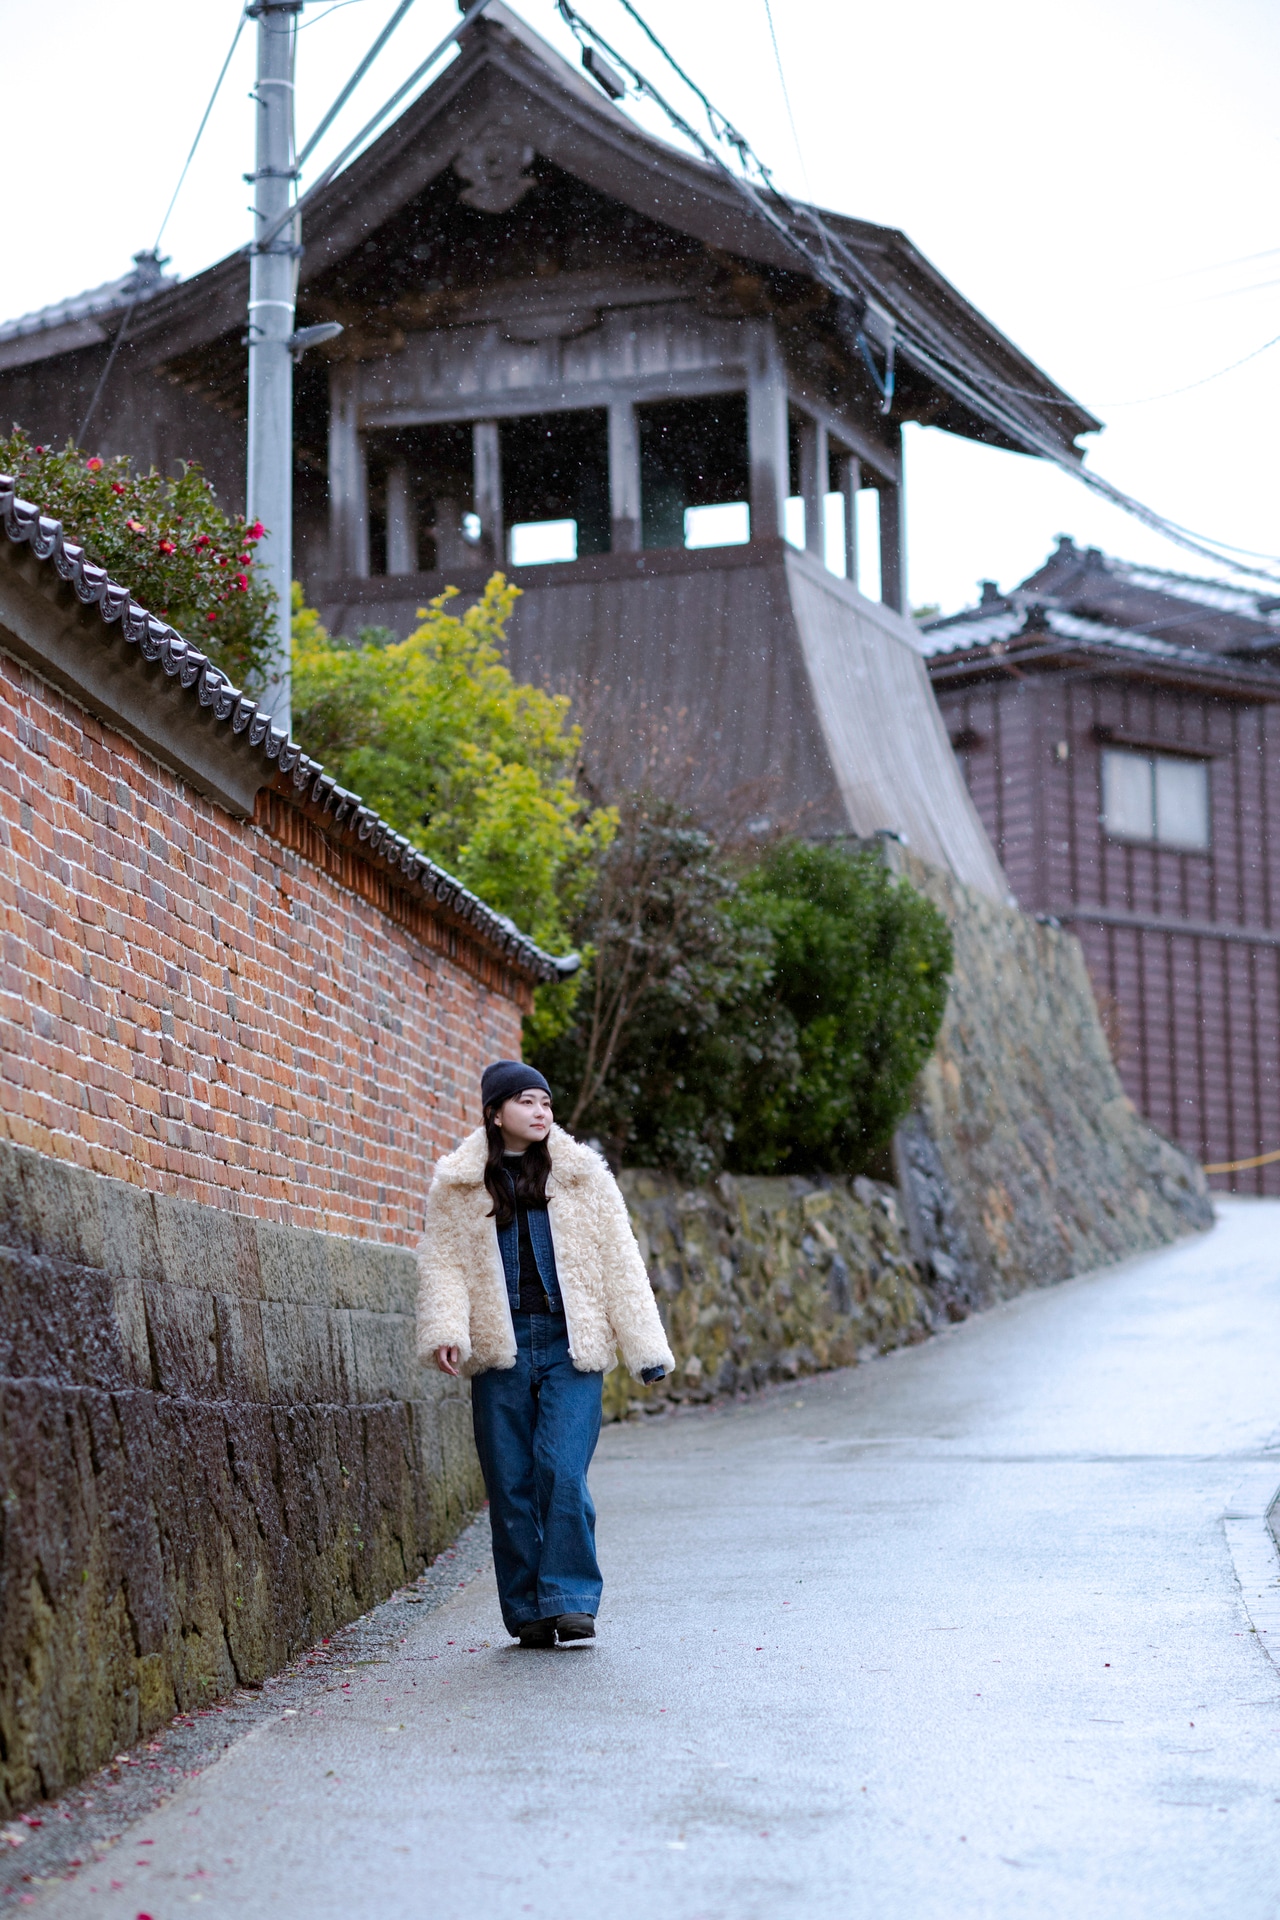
column 1164, row 773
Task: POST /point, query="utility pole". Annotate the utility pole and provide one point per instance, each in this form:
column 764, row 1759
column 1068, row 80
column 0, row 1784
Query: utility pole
column 273, row 274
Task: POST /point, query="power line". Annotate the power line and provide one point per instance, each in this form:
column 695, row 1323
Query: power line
column 217, row 88
column 356, row 77
column 1214, row 266
column 786, row 95
column 334, row 167
column 855, row 286
column 141, row 282
column 1193, row 384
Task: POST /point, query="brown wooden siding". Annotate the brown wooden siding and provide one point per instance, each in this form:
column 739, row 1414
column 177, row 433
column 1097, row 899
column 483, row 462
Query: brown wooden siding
column 1183, row 948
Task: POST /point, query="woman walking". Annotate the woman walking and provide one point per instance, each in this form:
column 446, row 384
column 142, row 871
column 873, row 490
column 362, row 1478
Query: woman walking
column 529, row 1279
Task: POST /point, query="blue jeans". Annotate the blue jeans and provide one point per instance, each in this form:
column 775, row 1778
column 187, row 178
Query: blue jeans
column 536, row 1427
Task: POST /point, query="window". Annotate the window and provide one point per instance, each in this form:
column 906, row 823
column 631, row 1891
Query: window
column 1153, row 796
column 727, row 524
column 536, row 543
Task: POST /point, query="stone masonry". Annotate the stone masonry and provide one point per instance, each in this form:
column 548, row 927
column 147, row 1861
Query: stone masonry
column 1023, row 1160
column 215, row 1447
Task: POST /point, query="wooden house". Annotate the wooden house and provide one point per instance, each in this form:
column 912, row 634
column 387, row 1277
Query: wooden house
column 1119, row 730
column 573, row 351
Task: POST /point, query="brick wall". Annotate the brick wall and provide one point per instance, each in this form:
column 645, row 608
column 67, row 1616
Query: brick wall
column 190, row 1003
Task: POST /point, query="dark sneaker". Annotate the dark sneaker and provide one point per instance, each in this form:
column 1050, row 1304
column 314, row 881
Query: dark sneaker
column 536, row 1633
column 575, row 1626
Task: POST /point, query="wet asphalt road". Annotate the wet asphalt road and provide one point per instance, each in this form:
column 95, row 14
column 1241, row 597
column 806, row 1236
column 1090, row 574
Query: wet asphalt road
column 955, row 1634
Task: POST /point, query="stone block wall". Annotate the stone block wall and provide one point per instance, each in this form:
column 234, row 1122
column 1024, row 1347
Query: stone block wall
column 1024, row 1160
column 763, row 1279
column 215, row 1447
column 192, row 1004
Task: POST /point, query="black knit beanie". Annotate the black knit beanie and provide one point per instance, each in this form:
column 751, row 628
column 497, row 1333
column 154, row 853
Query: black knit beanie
column 503, row 1079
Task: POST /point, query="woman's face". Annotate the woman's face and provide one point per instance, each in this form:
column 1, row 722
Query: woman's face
column 525, row 1119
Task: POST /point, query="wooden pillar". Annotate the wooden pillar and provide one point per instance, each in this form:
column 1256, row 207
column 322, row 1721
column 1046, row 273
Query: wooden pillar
column 624, row 477
column 486, row 457
column 893, row 570
column 402, row 521
column 348, row 475
column 768, row 453
column 814, row 464
column 850, row 487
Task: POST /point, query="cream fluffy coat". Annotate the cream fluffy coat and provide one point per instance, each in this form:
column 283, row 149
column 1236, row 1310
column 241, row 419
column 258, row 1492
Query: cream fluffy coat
column 462, row 1290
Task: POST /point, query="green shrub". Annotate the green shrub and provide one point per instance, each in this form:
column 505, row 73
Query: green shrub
column 771, row 1019
column 163, row 537
column 674, row 1032
column 860, row 966
column 475, row 769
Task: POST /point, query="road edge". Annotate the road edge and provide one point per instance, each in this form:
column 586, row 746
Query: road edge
column 1255, row 1555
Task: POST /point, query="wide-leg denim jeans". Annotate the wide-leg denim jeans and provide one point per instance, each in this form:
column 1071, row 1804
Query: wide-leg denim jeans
column 536, row 1427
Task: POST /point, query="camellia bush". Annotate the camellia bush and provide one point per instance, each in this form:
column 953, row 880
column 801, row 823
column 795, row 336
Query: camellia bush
column 162, row 536
column 478, row 770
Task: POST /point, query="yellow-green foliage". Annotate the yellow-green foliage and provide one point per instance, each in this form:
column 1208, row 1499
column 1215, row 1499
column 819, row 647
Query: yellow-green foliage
column 476, row 769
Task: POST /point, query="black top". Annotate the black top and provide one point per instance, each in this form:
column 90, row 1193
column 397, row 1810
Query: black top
column 533, row 1295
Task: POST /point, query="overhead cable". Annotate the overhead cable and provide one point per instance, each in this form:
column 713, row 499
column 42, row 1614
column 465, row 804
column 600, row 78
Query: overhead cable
column 334, row 167
column 186, row 167
column 786, row 92
column 355, row 79
column 141, row 283
column 1193, row 384
column 854, row 285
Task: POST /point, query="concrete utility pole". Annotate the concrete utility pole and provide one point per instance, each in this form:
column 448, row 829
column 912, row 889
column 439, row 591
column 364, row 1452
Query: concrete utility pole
column 273, row 274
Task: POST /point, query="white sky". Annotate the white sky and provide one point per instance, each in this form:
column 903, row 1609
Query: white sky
column 1093, row 176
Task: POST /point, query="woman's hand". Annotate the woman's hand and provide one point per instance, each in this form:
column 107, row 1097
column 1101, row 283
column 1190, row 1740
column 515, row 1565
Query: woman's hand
column 447, row 1359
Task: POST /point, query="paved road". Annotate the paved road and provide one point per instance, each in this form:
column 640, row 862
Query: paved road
column 956, row 1634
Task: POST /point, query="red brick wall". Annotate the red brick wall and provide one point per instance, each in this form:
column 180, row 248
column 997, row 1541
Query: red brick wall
column 191, row 1005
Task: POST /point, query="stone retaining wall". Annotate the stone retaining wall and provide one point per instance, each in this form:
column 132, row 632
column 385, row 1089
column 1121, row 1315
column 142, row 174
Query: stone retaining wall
column 1024, row 1160
column 215, row 1446
column 765, row 1279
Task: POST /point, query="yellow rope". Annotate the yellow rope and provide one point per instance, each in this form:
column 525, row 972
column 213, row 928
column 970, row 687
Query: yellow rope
column 1244, row 1166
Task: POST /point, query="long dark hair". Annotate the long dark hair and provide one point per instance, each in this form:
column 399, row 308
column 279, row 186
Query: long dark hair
column 530, row 1182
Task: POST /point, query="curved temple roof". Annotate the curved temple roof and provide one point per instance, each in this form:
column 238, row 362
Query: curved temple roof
column 212, row 695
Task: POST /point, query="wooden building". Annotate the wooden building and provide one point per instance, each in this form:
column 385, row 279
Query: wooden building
column 575, row 352
column 1119, row 730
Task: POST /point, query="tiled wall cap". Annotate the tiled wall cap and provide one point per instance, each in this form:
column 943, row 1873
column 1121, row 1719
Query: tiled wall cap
column 24, row 524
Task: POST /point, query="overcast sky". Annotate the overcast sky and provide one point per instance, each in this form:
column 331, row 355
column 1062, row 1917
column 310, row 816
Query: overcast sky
column 1099, row 179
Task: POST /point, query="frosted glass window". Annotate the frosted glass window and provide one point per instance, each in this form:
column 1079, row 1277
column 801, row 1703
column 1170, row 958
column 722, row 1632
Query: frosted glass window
column 1182, row 803
column 1129, row 795
column 725, row 525
column 793, row 520
column 1156, row 797
column 537, row 543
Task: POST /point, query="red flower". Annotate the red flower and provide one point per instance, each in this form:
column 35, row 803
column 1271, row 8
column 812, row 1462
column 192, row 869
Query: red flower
column 202, row 543
column 135, row 526
column 94, row 465
column 212, row 618
column 116, row 487
column 246, row 559
column 167, row 546
column 242, row 581
column 255, row 532
column 41, row 449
